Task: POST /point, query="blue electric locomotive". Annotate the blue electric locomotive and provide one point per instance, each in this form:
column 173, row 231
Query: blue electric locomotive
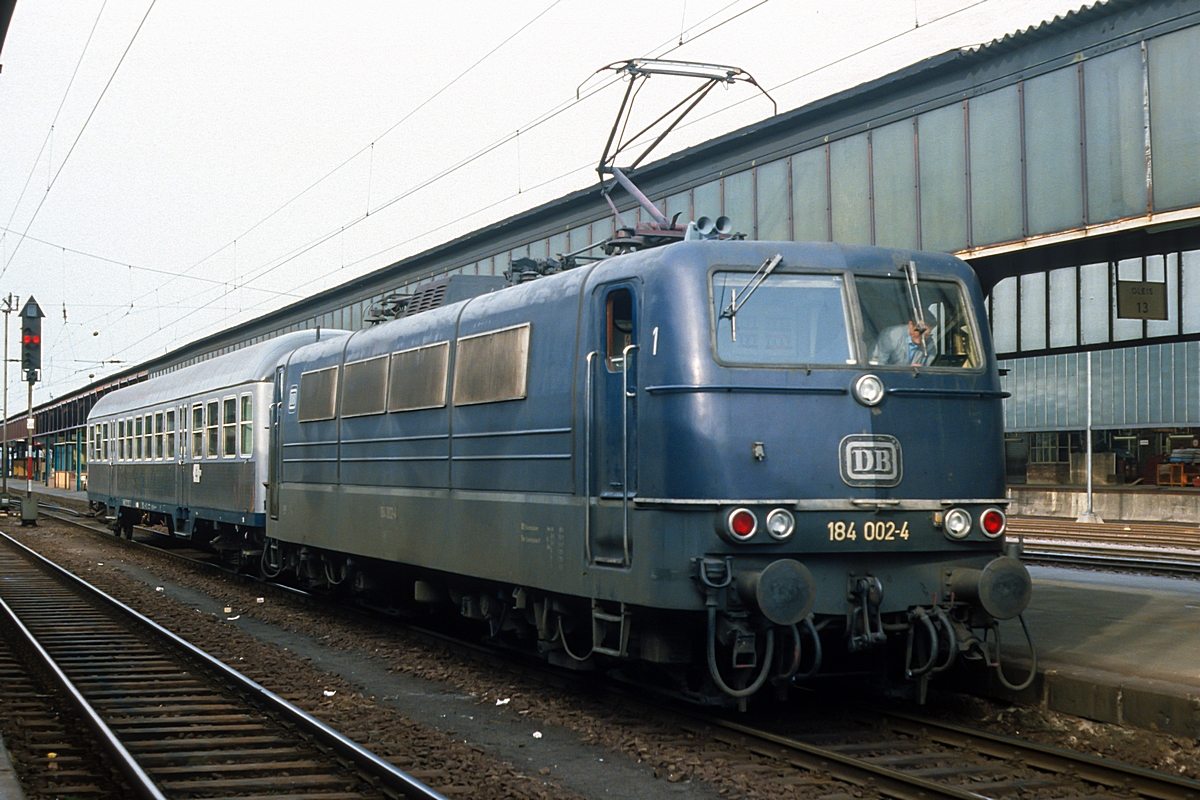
column 725, row 454
column 728, row 459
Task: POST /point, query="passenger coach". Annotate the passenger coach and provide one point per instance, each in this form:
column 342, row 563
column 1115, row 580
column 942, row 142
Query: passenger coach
column 188, row 450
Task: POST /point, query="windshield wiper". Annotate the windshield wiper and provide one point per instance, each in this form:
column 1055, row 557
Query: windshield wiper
column 914, row 302
column 730, row 311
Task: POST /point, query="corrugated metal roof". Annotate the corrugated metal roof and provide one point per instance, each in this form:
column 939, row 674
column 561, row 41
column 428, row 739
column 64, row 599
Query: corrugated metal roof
column 1052, row 27
column 254, row 363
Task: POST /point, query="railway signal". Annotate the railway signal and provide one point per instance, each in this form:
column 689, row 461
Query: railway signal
column 31, row 340
column 31, row 364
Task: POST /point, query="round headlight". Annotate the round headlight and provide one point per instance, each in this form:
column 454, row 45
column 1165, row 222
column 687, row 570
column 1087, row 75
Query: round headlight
column 741, row 524
column 992, row 522
column 780, row 524
column 957, row 523
column 868, row 390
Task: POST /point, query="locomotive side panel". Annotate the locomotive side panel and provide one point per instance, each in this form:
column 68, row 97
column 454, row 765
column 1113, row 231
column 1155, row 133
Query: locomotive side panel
column 513, row 426
column 508, row 514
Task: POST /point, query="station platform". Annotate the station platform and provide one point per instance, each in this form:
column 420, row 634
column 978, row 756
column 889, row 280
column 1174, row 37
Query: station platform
column 1112, row 503
column 10, row 789
column 1112, row 647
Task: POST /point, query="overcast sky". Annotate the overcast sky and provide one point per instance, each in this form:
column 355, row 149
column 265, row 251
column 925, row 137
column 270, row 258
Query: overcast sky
column 189, row 168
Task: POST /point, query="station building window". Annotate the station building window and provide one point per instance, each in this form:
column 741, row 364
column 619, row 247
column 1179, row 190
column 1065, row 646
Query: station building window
column 1050, row 448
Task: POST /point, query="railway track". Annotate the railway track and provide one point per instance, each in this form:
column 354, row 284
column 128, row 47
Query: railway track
column 899, row 756
column 173, row 721
column 911, row 758
column 1170, row 548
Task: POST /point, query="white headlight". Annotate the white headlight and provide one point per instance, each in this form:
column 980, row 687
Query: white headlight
column 868, row 390
column 780, row 524
column 957, row 523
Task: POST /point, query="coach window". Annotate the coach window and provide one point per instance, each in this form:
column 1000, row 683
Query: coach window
column 247, row 426
column 169, row 433
column 197, row 431
column 620, row 326
column 138, row 433
column 104, row 442
column 212, row 418
column 229, row 426
column 121, row 440
column 158, row 434
column 149, row 436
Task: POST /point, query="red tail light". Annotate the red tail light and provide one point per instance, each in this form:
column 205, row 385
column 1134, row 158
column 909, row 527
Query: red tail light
column 741, row 524
column 993, row 522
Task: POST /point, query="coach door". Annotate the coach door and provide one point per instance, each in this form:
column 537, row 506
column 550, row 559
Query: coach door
column 612, row 429
column 275, row 450
column 181, row 440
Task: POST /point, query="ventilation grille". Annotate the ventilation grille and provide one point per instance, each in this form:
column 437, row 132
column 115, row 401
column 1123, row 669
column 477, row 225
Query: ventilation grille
column 427, row 297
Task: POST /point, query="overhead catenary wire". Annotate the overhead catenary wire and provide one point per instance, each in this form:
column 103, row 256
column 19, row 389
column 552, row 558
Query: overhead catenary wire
column 78, row 136
column 142, row 268
column 486, row 150
column 248, row 278
column 274, row 264
column 53, row 122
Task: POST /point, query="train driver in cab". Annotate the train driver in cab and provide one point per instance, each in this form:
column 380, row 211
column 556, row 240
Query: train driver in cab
column 910, row 344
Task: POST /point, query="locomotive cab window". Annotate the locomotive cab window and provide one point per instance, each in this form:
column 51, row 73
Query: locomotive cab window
column 782, row 319
column 619, row 323
column 900, row 330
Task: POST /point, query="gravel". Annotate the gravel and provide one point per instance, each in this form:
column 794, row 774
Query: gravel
column 479, row 727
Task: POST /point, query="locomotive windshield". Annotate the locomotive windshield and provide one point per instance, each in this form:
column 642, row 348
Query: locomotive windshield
column 790, row 319
column 900, row 330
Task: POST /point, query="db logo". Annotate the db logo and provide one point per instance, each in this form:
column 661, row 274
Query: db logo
column 870, row 460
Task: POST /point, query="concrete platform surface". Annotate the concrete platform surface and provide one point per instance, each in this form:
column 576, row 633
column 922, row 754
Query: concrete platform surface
column 1112, row 647
column 10, row 789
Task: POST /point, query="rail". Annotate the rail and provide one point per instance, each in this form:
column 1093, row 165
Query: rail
column 141, row 689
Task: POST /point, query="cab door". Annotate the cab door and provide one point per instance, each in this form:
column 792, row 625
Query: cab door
column 612, row 373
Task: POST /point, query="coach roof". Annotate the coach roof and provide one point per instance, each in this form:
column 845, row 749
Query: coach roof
column 247, row 365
